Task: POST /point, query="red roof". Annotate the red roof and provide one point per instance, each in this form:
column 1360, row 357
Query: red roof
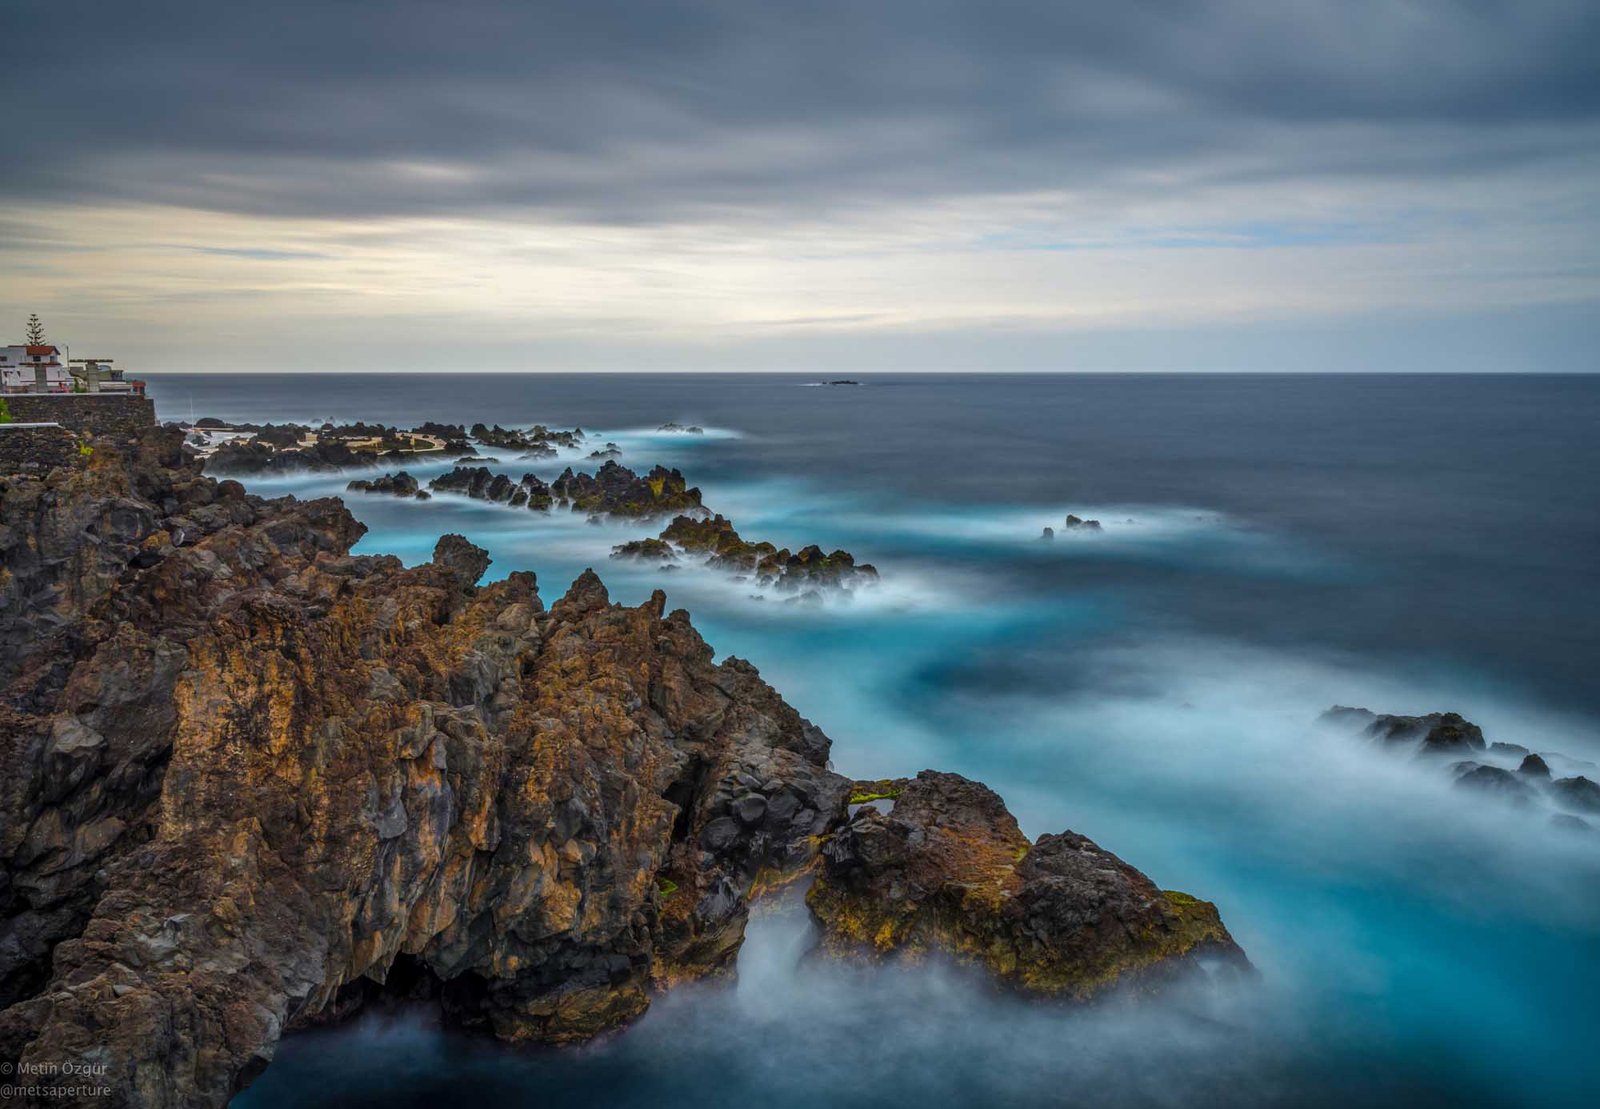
column 44, row 348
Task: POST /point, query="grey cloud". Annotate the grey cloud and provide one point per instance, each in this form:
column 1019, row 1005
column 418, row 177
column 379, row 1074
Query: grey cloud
column 645, row 111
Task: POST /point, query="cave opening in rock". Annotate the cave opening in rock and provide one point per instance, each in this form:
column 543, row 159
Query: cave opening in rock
column 685, row 792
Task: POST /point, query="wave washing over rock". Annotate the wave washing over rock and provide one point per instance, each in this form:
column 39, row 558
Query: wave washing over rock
column 1509, row 772
column 252, row 782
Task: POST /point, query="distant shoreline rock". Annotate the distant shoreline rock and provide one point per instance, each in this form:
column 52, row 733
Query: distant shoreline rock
column 279, row 449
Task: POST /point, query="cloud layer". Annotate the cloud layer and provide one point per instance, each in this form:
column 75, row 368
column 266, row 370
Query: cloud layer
column 659, row 178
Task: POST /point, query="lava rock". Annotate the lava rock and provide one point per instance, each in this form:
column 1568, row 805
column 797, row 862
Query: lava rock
column 948, row 871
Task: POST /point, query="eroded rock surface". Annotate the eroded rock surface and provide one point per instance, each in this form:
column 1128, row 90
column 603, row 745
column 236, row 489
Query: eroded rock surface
column 615, row 490
column 252, row 769
column 483, row 484
column 249, row 781
column 947, row 870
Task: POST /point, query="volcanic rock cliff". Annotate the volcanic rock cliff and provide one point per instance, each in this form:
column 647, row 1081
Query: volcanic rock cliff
column 247, row 778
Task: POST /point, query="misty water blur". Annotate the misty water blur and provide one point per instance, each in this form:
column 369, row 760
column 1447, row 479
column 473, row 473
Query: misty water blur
column 1269, row 547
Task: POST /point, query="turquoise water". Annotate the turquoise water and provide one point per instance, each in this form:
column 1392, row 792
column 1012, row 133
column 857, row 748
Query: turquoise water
column 1271, row 546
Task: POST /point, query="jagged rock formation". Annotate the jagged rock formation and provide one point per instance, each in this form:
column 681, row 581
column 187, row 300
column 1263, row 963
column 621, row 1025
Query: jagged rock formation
column 481, row 483
column 399, row 484
column 675, row 428
column 807, row 569
column 649, row 550
column 248, row 778
column 947, row 870
column 1521, row 778
column 1078, row 523
column 537, row 442
column 258, row 769
column 615, row 490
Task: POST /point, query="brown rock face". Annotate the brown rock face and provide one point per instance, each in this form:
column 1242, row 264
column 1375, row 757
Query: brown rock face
column 248, row 770
column 948, row 871
column 249, row 780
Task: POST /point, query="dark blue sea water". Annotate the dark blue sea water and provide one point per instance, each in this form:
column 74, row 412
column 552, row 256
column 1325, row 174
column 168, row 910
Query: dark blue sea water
column 1272, row 545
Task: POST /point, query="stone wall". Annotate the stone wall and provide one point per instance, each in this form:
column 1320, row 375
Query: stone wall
column 119, row 414
column 35, row 448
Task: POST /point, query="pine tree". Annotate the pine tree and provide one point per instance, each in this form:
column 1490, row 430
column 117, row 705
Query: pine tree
column 35, row 331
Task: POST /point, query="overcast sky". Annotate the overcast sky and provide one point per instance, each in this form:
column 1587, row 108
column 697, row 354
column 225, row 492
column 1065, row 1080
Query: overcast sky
column 744, row 184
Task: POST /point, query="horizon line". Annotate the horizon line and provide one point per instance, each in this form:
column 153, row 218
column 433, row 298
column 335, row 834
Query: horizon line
column 893, row 372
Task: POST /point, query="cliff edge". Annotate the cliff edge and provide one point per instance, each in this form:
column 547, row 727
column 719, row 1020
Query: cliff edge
column 251, row 780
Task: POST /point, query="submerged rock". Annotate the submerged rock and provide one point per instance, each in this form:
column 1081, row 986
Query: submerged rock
column 1437, row 733
column 1578, row 794
column 1515, row 750
column 1496, row 781
column 1447, row 733
column 948, row 871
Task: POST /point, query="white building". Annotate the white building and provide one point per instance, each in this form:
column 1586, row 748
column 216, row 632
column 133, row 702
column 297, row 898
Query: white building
column 20, row 366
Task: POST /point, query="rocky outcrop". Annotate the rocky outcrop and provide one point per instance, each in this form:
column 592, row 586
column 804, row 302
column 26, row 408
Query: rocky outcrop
column 1078, row 523
column 244, row 457
column 293, row 448
column 483, row 484
column 1437, row 733
column 675, row 428
column 399, row 484
column 1494, row 781
column 807, row 570
column 646, row 550
column 536, row 442
column 250, row 781
column 1577, row 794
column 947, row 871
column 258, row 770
column 1506, row 772
column 615, row 490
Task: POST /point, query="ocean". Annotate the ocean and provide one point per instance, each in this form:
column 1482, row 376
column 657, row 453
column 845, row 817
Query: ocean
column 1271, row 545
